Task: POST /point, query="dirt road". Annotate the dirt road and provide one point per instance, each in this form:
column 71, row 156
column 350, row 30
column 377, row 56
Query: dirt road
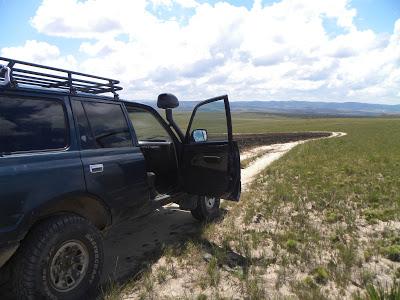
column 274, row 152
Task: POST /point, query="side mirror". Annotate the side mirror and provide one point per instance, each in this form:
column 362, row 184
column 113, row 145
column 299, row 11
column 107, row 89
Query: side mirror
column 167, row 101
column 199, row 135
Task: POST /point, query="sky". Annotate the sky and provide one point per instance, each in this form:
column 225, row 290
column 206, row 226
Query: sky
column 312, row 50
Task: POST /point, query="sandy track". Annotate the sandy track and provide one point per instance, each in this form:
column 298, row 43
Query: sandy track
column 275, row 152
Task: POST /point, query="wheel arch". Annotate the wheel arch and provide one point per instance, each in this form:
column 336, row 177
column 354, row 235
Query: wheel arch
column 85, row 205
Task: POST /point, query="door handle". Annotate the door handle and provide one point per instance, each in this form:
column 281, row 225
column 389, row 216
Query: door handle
column 212, row 159
column 98, row 168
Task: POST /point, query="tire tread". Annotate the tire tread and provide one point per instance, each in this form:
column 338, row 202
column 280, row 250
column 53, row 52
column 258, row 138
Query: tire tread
column 24, row 262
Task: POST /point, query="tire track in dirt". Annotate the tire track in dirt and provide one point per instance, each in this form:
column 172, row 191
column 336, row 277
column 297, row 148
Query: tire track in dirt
column 275, row 152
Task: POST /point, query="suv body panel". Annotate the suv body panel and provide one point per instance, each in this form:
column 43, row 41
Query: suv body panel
column 38, row 184
column 121, row 182
column 30, row 180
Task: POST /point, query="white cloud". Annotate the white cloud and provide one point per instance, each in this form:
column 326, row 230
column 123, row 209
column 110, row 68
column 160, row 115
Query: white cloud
column 280, row 51
column 39, row 52
column 183, row 3
column 32, row 50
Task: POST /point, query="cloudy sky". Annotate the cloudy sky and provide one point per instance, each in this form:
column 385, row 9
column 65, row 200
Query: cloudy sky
column 318, row 50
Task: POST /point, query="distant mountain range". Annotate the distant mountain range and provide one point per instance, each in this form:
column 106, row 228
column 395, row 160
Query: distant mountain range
column 306, row 108
column 317, row 108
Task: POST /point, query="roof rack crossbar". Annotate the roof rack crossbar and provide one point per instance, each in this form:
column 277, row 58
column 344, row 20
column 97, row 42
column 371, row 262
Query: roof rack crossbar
column 22, row 71
column 44, row 82
column 33, row 82
column 30, row 82
column 66, row 80
column 54, row 82
column 59, row 77
column 58, row 84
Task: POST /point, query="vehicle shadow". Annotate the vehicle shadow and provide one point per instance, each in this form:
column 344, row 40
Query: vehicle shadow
column 132, row 246
column 136, row 244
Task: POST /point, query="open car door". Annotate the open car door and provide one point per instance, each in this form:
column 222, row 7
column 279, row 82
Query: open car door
column 210, row 160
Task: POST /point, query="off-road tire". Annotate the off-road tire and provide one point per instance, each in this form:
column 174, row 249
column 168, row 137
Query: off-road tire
column 204, row 211
column 5, row 281
column 31, row 266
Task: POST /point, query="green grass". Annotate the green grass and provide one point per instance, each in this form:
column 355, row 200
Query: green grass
column 328, row 185
column 265, row 123
column 306, row 213
column 361, row 169
column 381, row 293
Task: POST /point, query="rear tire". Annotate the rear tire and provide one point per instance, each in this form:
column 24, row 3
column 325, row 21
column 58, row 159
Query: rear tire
column 5, row 280
column 207, row 208
column 61, row 258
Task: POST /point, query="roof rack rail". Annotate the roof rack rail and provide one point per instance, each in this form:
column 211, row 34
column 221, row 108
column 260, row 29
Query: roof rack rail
column 16, row 72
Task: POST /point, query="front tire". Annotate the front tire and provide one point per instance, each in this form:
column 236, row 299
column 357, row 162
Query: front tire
column 61, row 258
column 207, row 208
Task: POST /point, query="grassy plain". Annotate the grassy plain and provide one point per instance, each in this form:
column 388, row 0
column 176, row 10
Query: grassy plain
column 321, row 222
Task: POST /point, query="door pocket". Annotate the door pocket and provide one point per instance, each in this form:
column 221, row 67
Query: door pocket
column 212, row 159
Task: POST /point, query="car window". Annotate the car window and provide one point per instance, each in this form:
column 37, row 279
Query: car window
column 108, row 125
column 29, row 124
column 85, row 134
column 212, row 118
column 147, row 127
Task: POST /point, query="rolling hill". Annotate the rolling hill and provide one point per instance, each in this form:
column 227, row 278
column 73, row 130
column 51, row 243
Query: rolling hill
column 305, row 108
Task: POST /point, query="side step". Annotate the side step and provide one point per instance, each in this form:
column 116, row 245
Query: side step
column 161, row 200
column 185, row 201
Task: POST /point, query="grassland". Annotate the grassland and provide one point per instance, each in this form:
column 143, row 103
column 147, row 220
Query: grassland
column 323, row 222
column 262, row 122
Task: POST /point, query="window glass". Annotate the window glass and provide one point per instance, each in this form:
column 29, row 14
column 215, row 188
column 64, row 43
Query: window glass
column 108, row 125
column 85, row 134
column 28, row 124
column 212, row 118
column 147, row 127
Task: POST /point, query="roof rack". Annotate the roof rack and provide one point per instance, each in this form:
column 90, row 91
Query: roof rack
column 16, row 72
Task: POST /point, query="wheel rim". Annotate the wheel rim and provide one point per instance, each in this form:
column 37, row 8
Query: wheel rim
column 69, row 266
column 210, row 202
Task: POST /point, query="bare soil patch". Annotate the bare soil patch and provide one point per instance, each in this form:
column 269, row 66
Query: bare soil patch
column 248, row 141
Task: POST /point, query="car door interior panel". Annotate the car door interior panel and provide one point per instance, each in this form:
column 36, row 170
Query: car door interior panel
column 210, row 160
column 161, row 160
column 204, row 163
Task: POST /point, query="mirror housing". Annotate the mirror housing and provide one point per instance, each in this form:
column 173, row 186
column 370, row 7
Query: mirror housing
column 199, row 135
column 167, row 101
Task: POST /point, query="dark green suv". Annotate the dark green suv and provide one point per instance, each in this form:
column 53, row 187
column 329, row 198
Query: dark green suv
column 74, row 162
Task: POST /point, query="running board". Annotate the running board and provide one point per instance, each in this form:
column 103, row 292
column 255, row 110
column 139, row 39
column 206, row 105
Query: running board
column 185, row 201
column 161, row 200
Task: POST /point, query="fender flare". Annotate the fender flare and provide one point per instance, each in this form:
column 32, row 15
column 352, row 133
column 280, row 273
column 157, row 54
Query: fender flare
column 83, row 204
